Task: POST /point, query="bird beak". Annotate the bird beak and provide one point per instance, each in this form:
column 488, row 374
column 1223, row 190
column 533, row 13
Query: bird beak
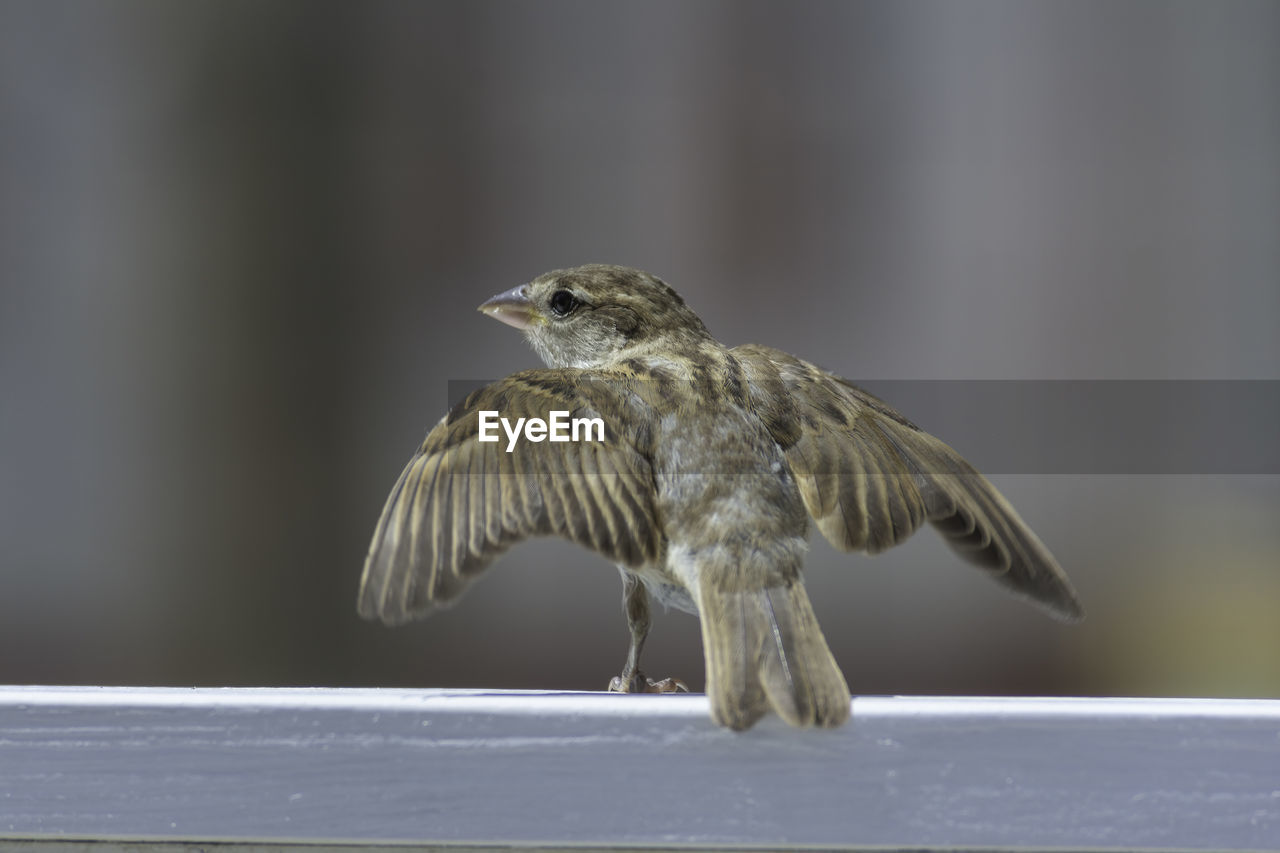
column 511, row 307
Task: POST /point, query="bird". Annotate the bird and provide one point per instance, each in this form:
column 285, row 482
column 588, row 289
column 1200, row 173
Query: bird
column 712, row 464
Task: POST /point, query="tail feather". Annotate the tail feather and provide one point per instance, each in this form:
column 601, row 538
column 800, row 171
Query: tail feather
column 764, row 650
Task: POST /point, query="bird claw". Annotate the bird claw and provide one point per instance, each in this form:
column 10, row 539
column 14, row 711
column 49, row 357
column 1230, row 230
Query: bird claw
column 666, row 685
column 639, row 684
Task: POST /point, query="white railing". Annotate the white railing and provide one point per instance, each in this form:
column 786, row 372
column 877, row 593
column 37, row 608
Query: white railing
column 262, row 767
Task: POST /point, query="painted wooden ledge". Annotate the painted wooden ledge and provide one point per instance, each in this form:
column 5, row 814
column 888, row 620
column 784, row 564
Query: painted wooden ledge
column 261, row 768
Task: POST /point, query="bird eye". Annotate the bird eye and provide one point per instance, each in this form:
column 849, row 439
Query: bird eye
column 563, row 302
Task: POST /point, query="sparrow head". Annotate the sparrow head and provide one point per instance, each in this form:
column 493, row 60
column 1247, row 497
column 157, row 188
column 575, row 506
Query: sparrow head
column 592, row 315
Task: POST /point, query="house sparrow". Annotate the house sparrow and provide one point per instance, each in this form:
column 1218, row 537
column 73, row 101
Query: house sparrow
column 713, row 461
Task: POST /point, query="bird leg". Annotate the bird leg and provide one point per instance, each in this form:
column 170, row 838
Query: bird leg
column 635, row 603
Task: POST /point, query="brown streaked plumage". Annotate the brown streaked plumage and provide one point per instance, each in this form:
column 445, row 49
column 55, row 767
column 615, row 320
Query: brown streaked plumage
column 714, row 461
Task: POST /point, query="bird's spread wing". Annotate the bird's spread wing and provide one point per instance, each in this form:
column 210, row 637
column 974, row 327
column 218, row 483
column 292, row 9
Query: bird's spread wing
column 460, row 502
column 870, row 478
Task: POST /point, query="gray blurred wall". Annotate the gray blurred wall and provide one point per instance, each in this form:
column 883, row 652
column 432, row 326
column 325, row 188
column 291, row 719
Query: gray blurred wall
column 241, row 245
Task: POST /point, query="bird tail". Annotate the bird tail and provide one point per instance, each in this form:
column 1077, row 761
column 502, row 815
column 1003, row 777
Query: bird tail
column 764, row 649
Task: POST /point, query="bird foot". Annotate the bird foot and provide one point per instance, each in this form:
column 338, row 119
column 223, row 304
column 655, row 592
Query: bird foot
column 639, row 684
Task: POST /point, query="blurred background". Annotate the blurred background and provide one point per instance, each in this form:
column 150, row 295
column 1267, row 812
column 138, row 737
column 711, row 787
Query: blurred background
column 242, row 243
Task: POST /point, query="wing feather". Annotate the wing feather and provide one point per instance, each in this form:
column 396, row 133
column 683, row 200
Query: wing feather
column 461, row 502
column 870, row 478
